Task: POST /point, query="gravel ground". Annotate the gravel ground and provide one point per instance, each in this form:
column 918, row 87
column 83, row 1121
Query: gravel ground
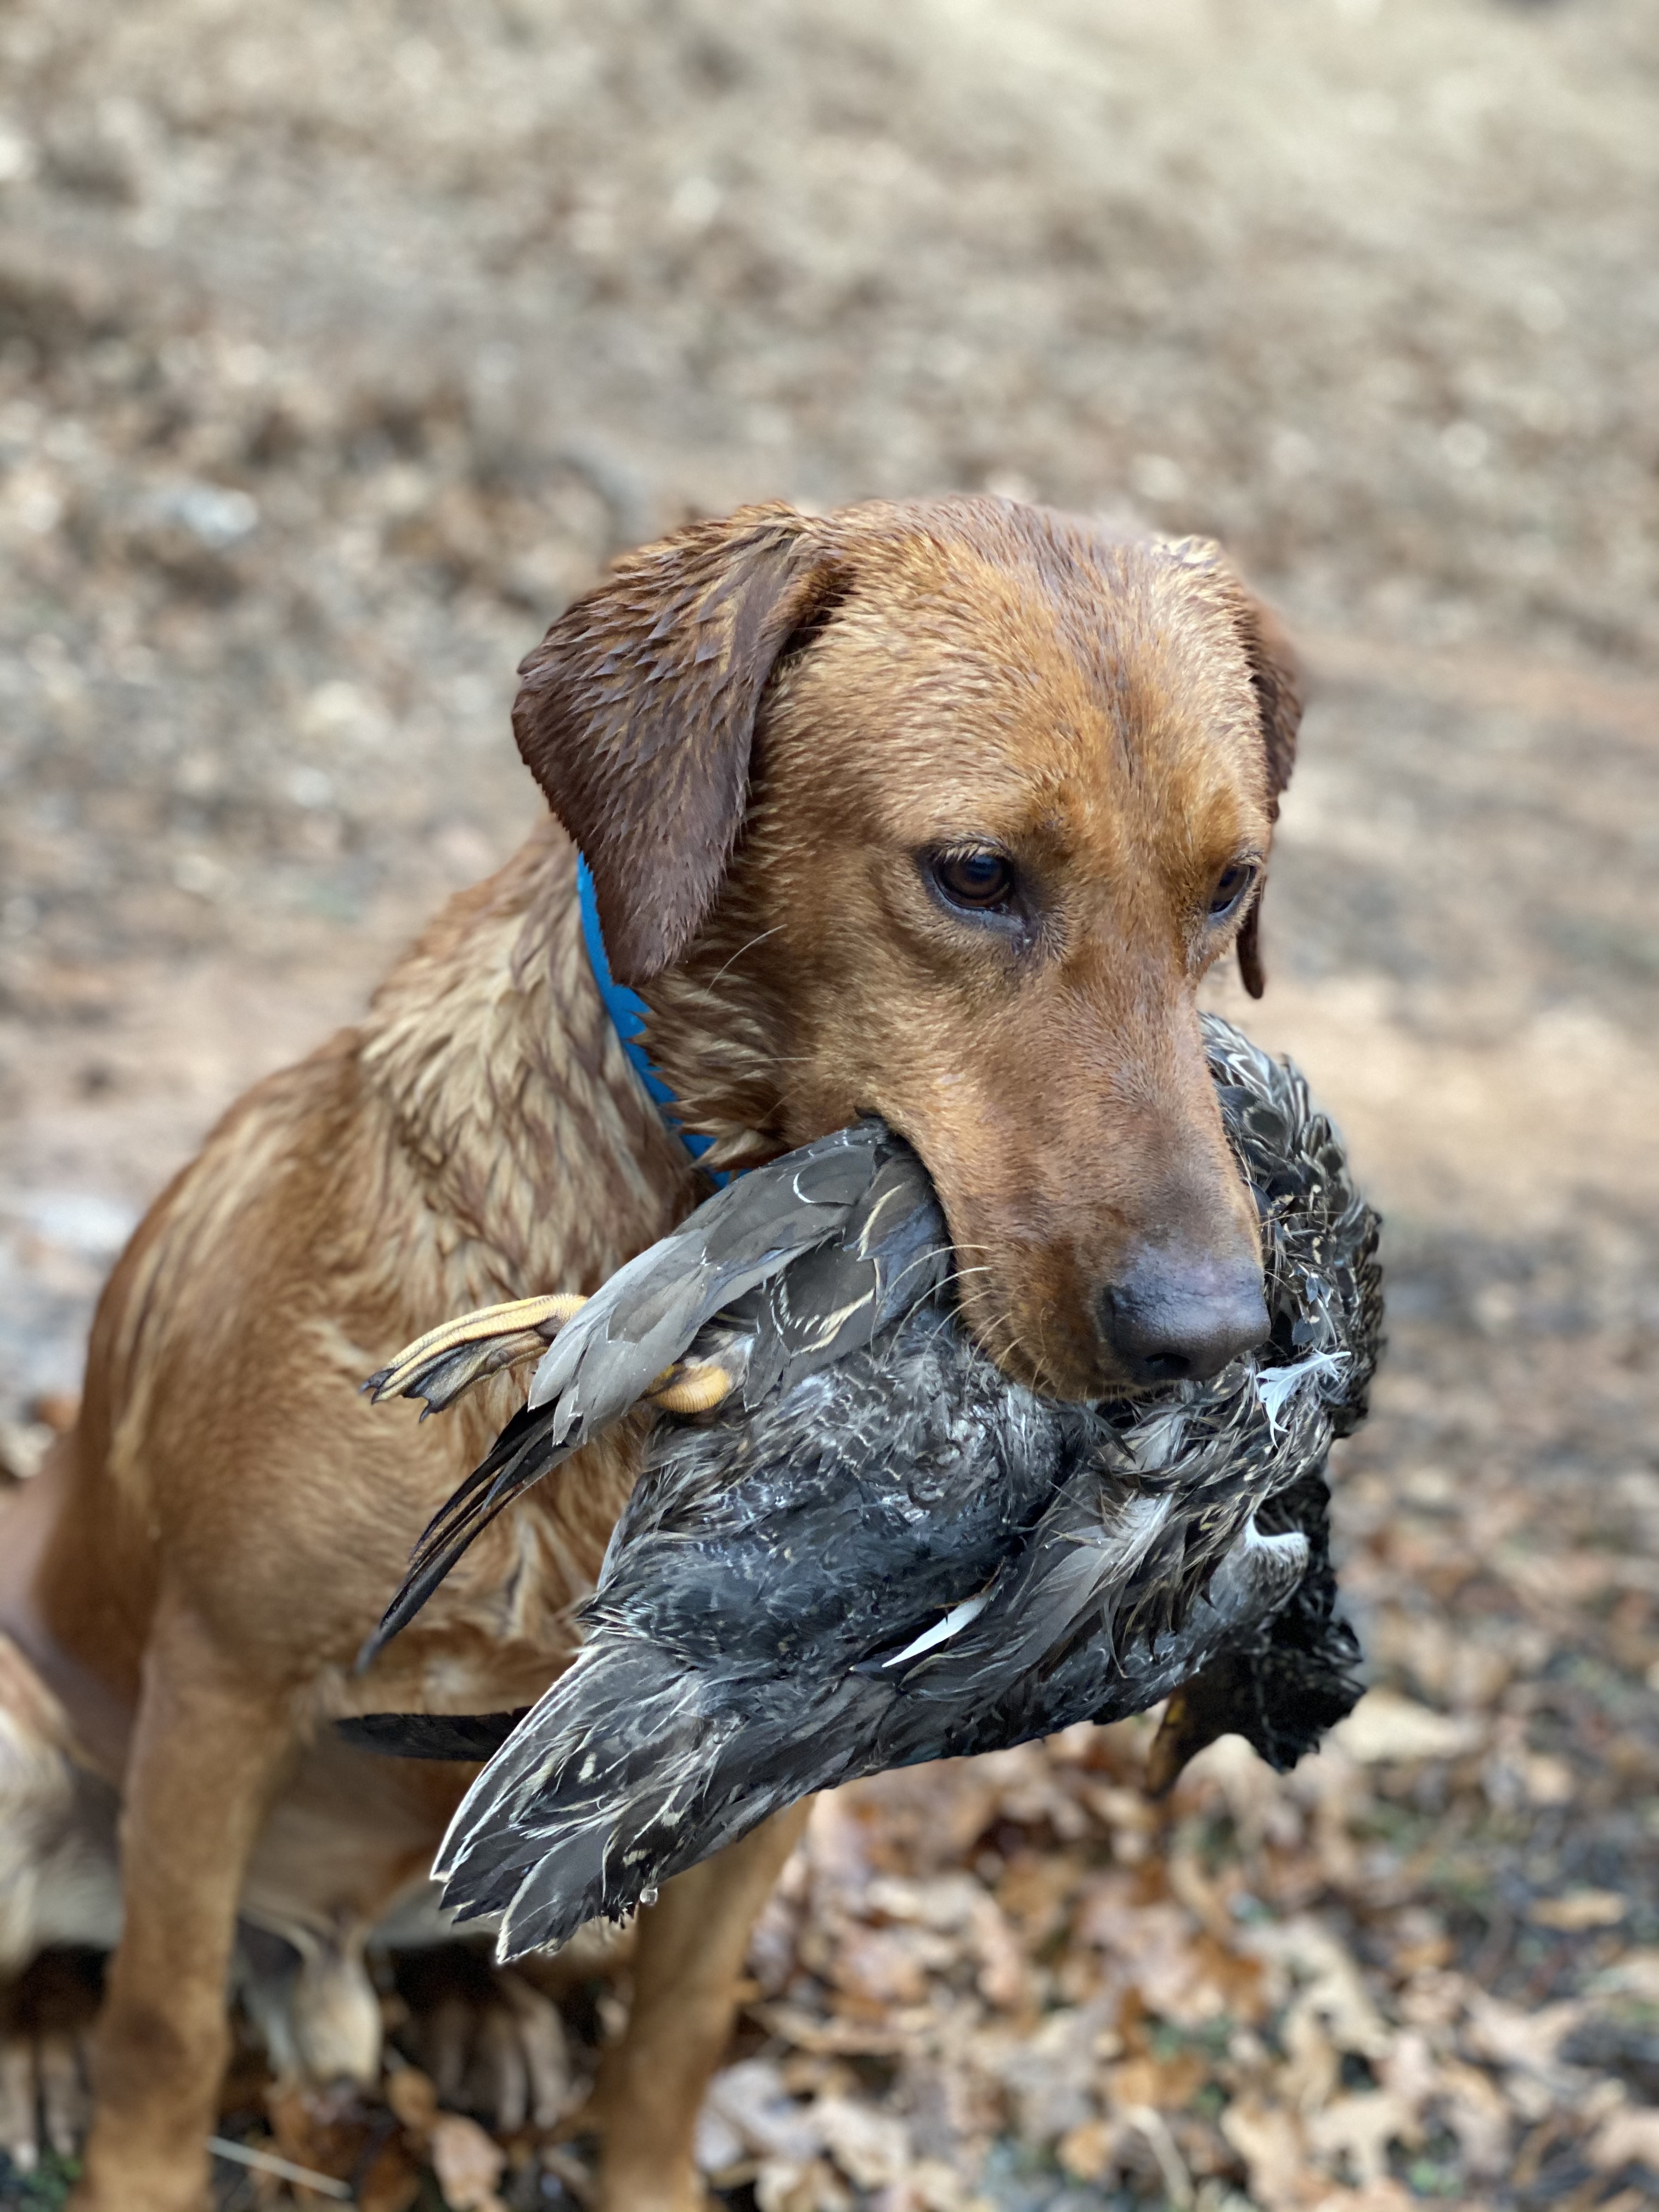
column 337, row 348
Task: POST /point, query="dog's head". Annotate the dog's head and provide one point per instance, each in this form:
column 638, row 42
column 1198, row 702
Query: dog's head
column 941, row 813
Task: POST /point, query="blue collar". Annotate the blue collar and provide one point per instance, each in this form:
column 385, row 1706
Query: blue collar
column 628, row 1012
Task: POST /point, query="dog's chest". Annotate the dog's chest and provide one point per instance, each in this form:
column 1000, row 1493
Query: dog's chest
column 504, row 1622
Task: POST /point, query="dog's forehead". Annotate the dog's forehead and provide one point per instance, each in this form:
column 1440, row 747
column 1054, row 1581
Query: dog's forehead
column 1060, row 665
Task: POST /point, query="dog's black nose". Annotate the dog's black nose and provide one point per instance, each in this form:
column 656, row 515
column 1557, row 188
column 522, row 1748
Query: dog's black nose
column 1176, row 1315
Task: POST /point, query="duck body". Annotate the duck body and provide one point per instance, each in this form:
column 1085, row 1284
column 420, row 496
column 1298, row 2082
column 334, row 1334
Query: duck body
column 887, row 1552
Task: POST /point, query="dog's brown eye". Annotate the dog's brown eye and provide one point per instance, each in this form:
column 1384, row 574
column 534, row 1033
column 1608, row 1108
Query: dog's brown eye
column 981, row 880
column 1230, row 886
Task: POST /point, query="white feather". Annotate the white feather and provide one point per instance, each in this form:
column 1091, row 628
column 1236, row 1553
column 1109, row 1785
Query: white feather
column 1277, row 1386
column 942, row 1630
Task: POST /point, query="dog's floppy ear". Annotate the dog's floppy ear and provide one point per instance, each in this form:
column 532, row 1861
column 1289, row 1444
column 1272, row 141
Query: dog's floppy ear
column 637, row 711
column 1278, row 682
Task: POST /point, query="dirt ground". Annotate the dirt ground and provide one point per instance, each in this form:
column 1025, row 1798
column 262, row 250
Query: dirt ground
column 339, row 344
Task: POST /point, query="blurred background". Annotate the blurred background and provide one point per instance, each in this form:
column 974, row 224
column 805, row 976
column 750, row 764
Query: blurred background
column 340, row 344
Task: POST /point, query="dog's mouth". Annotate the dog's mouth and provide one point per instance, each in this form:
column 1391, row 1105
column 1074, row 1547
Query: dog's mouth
column 1192, row 1322
column 1070, row 1324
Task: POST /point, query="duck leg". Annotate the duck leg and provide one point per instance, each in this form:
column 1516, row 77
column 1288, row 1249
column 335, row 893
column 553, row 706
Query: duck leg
column 448, row 1359
column 692, row 1386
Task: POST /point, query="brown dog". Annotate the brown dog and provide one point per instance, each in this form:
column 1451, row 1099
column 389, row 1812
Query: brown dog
column 940, row 811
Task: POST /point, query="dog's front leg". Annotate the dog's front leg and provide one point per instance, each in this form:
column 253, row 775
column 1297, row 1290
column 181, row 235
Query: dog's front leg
column 205, row 1753
column 689, row 1953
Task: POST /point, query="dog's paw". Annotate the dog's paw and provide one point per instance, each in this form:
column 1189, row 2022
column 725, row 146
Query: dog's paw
column 312, row 2004
column 45, row 2022
column 492, row 2044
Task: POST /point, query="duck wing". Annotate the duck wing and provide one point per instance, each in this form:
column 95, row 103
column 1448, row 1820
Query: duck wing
column 430, row 1736
column 783, row 1273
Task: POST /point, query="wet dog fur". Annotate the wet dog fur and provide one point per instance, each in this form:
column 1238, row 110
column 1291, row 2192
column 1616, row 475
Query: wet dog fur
column 775, row 737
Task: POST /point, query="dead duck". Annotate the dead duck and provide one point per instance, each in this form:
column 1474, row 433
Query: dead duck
column 874, row 1549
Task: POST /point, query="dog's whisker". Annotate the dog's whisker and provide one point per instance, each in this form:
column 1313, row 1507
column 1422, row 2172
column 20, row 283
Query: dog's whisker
column 759, row 938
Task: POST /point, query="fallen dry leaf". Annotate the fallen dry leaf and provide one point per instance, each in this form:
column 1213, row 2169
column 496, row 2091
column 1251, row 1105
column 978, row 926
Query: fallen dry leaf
column 1636, row 1974
column 1384, row 2196
column 1271, row 2142
column 391, row 2181
column 468, row 2163
column 871, row 2149
column 787, row 2185
column 1627, row 2137
column 1148, row 2083
column 1088, row 2152
column 1384, row 1727
column 1513, row 2035
column 412, row 2097
column 1578, row 1910
column 1356, row 2132
column 750, row 2102
column 1477, row 2113
column 325, row 2130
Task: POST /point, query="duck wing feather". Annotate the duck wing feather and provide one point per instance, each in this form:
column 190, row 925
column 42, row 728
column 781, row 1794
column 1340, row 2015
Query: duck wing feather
column 802, row 1260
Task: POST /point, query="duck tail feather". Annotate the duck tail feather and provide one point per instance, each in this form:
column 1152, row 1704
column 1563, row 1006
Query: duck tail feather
column 430, row 1736
column 590, row 1807
column 621, row 1705
column 633, row 1768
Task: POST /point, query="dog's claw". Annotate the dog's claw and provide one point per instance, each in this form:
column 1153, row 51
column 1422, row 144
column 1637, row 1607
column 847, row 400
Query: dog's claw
column 493, row 2044
column 43, row 2101
column 20, row 2119
column 448, row 1359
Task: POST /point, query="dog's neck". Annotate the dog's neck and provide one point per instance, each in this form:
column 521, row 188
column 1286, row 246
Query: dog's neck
column 538, row 1146
column 714, row 1028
